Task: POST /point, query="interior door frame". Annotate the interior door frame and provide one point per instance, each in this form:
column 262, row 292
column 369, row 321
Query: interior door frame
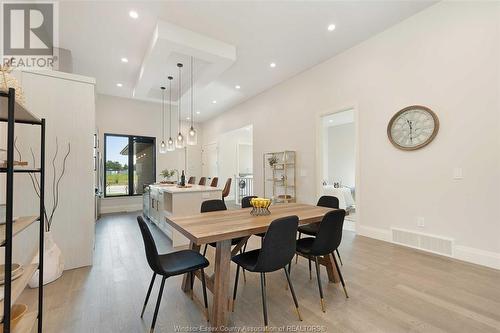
column 320, row 158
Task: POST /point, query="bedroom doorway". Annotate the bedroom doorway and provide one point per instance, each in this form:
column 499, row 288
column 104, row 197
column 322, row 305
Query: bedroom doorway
column 338, row 156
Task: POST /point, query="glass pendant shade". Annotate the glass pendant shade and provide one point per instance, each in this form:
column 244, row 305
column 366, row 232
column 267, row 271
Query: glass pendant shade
column 170, row 145
column 163, row 147
column 179, row 142
column 192, row 138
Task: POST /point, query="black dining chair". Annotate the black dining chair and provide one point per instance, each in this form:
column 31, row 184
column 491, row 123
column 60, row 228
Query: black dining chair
column 170, row 264
column 245, row 203
column 327, row 240
column 214, row 206
column 312, row 228
column 277, row 251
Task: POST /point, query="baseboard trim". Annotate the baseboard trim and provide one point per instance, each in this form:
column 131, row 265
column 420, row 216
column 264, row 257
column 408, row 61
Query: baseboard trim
column 477, row 256
column 121, row 208
column 463, row 253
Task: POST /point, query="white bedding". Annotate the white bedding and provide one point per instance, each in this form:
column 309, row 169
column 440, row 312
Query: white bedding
column 343, row 194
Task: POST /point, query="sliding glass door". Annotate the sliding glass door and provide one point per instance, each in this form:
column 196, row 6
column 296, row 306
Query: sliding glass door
column 130, row 164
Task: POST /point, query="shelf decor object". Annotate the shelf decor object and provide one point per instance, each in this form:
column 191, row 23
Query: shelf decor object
column 170, row 142
column 192, row 138
column 8, row 81
column 14, row 113
column 179, row 142
column 260, row 206
column 163, row 146
column 280, row 176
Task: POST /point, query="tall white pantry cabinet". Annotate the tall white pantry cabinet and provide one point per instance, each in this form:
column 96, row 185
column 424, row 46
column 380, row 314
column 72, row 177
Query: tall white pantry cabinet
column 67, row 102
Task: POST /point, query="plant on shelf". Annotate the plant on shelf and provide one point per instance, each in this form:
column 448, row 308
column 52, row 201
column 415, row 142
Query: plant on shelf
column 53, row 259
column 167, row 174
column 272, row 161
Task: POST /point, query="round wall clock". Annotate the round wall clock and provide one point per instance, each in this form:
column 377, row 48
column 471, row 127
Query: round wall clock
column 413, row 127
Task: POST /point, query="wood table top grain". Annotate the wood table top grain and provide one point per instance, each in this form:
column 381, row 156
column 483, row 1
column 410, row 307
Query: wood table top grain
column 217, row 226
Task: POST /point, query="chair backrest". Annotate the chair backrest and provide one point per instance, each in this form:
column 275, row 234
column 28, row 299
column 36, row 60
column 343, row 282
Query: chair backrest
column 150, row 246
column 245, row 201
column 329, row 234
column 212, row 206
column 328, row 201
column 278, row 247
column 203, row 181
column 227, row 188
column 192, row 180
column 214, row 182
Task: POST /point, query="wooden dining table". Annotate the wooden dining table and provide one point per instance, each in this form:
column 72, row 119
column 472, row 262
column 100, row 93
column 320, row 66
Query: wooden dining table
column 221, row 227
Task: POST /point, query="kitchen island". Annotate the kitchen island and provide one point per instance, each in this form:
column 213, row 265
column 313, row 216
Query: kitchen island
column 171, row 200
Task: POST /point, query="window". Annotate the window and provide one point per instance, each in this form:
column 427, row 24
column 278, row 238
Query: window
column 130, row 164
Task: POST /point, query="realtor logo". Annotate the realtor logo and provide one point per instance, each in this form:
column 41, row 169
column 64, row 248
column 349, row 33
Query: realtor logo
column 29, row 37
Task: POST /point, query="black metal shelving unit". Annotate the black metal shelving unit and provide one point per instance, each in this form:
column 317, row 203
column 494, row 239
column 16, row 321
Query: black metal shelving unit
column 13, row 113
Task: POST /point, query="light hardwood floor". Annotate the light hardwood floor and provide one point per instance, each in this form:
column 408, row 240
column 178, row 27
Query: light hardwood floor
column 391, row 289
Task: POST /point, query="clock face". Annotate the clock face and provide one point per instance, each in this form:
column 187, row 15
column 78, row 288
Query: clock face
column 413, row 127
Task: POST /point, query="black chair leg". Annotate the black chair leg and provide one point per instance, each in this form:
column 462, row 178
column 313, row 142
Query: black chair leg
column 157, row 305
column 319, row 284
column 235, row 290
column 205, row 250
column 310, row 270
column 264, row 304
column 338, row 255
column 244, row 275
column 191, row 277
column 296, row 255
column 204, row 286
column 293, row 293
column 148, row 293
column 340, row 275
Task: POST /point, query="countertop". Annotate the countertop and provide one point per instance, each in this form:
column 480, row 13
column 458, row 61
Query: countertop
column 174, row 189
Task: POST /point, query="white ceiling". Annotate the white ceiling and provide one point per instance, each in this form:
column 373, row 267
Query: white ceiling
column 294, row 35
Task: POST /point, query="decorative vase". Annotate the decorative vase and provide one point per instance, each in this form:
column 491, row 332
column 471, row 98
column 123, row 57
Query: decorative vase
column 7, row 80
column 53, row 262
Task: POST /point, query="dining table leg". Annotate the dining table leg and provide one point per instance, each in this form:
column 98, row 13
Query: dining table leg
column 331, row 269
column 221, row 300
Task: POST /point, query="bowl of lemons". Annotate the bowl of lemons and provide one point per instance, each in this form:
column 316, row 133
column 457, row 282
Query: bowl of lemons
column 260, row 206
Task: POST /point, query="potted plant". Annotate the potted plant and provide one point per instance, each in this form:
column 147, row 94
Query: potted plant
column 167, row 175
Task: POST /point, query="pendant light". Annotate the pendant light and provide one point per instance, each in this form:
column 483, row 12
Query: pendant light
column 192, row 138
column 179, row 142
column 163, row 146
column 170, row 142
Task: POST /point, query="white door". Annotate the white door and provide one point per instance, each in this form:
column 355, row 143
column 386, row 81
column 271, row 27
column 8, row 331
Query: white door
column 210, row 160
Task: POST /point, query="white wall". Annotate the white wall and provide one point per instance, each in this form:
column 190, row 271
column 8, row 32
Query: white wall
column 67, row 102
column 341, row 154
column 446, row 57
column 115, row 115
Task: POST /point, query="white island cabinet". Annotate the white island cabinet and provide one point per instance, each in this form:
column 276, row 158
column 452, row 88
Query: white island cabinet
column 170, row 200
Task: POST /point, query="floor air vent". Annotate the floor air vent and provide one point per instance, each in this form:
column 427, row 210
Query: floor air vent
column 426, row 242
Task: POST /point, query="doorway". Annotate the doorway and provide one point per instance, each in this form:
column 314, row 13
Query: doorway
column 210, row 160
column 338, row 159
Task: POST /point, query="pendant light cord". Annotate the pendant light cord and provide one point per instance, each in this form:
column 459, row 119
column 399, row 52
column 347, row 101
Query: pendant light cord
column 170, row 106
column 180, row 94
column 163, row 113
column 192, row 93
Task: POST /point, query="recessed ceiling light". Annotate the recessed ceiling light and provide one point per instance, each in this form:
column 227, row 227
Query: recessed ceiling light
column 119, row 85
column 124, row 60
column 330, row 121
column 133, row 14
column 331, row 27
column 237, row 86
column 214, row 102
column 188, row 118
column 198, row 112
column 272, row 65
